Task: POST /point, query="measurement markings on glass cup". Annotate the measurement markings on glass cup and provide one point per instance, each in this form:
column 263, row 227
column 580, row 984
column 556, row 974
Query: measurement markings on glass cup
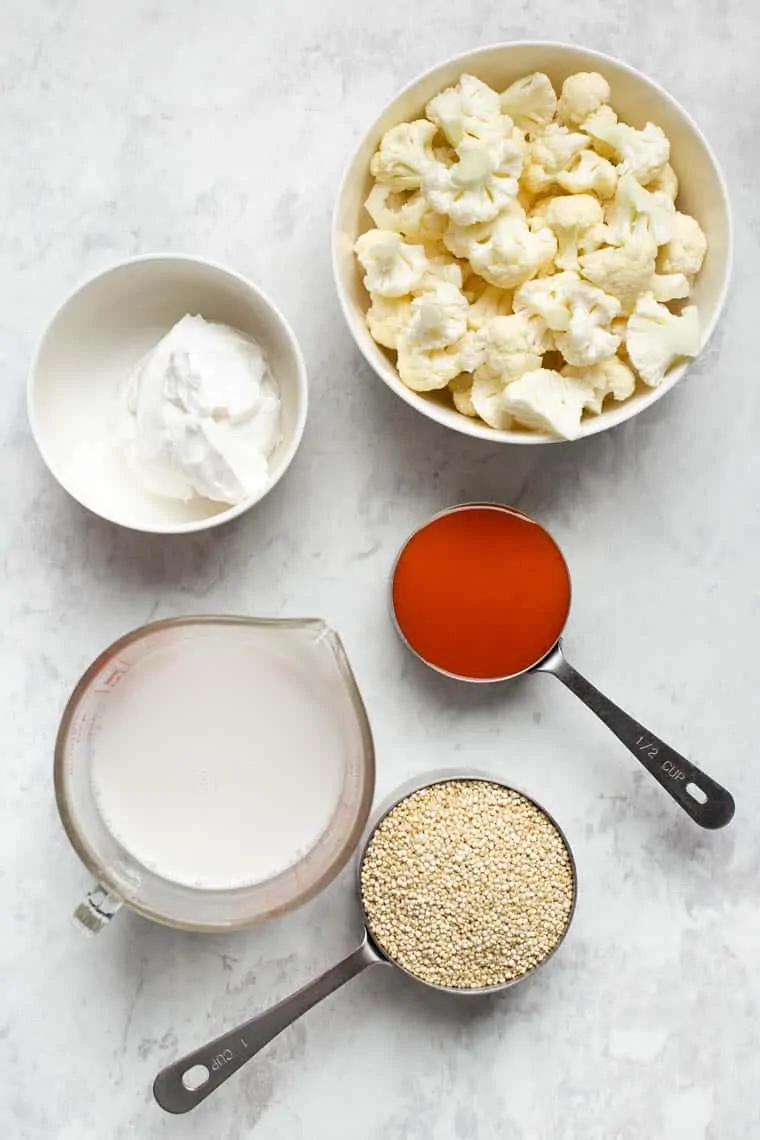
column 111, row 675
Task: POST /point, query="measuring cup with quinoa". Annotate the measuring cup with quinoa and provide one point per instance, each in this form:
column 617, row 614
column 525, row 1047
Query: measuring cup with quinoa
column 465, row 884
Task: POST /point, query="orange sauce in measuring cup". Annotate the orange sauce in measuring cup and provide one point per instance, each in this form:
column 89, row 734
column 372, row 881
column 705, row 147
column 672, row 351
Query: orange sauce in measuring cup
column 481, row 592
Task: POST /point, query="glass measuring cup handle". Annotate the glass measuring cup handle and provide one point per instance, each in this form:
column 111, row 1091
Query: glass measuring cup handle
column 708, row 804
column 185, row 1083
column 97, row 909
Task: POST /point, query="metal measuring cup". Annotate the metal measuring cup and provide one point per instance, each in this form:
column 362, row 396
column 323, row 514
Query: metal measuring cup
column 182, row 1086
column 701, row 797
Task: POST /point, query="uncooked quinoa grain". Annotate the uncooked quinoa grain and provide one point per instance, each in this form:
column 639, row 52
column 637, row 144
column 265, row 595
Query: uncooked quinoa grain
column 466, row 884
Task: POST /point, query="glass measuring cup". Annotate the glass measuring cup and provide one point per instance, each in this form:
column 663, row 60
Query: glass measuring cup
column 541, row 608
column 124, row 879
column 182, row 1086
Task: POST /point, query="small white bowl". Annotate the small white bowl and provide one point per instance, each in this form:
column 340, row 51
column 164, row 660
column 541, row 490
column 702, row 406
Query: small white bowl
column 92, row 344
column 637, row 99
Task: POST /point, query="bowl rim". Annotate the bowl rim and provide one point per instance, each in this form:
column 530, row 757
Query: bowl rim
column 302, row 389
column 613, row 416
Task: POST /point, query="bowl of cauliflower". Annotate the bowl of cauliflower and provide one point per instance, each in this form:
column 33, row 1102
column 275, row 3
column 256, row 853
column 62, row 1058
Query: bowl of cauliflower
column 532, row 242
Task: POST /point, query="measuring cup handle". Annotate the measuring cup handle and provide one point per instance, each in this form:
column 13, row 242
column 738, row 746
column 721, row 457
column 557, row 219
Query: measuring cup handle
column 207, row 1068
column 701, row 797
column 96, row 910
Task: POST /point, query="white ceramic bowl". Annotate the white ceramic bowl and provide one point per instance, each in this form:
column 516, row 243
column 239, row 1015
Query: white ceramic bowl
column 94, row 341
column 637, row 99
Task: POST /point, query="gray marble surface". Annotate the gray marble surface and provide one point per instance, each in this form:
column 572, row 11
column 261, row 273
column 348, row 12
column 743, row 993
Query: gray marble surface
column 221, row 128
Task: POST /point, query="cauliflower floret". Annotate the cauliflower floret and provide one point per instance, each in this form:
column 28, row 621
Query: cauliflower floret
column 550, row 154
column 486, row 303
column 477, row 187
column 576, row 312
column 404, row 155
column 571, row 218
column 582, row 94
column 470, row 111
column 487, row 396
column 531, row 101
column 519, row 139
column 424, row 371
column 603, row 122
column 656, row 338
column 405, row 213
column 640, row 153
column 610, row 377
column 439, row 316
column 535, row 180
column 558, row 146
column 686, row 250
column 512, row 253
column 547, row 401
column 441, row 267
column 387, row 318
column 391, row 267
column 587, row 340
column 669, row 286
column 461, row 240
column 461, row 393
column 548, row 298
column 538, row 210
column 512, row 345
column 666, row 182
column 625, row 271
column 589, row 172
column 471, row 351
column 632, row 202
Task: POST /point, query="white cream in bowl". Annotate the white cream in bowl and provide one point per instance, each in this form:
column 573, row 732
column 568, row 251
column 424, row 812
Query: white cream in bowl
column 200, row 414
column 95, row 342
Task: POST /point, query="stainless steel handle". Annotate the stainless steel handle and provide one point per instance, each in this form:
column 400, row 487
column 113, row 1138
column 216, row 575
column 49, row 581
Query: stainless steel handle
column 701, row 797
column 185, row 1083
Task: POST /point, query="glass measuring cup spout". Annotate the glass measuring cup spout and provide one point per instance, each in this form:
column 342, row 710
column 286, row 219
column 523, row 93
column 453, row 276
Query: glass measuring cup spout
column 701, row 797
